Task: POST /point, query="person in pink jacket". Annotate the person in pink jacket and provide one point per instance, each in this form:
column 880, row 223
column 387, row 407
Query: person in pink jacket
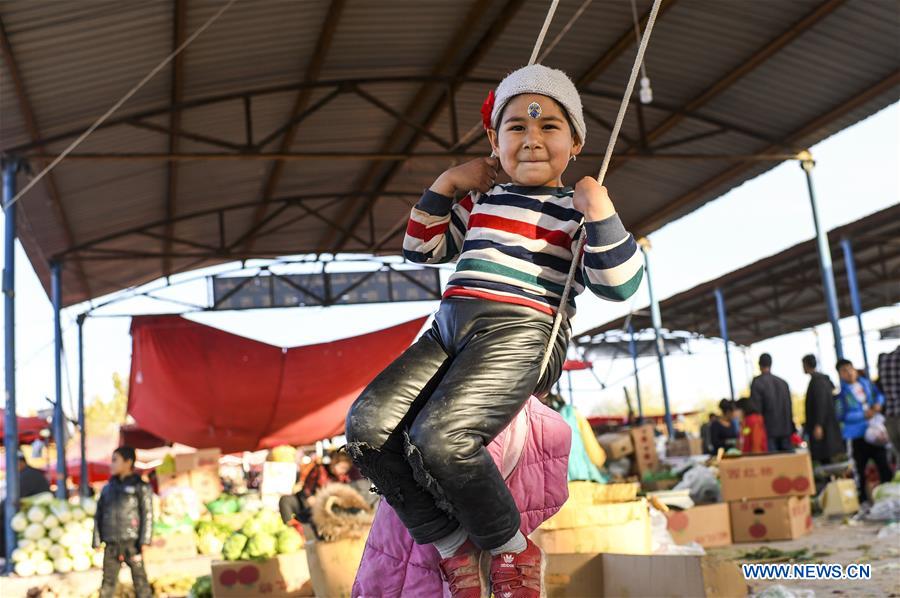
column 532, row 455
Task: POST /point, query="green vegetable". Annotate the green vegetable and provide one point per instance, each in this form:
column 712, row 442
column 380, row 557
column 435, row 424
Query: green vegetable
column 289, row 541
column 202, row 587
column 233, row 547
column 262, row 546
column 252, row 527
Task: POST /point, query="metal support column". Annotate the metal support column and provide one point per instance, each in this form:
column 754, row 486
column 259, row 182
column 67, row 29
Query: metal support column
column 723, row 330
column 657, row 325
column 59, row 422
column 632, row 348
column 11, row 424
column 828, row 286
column 850, row 264
column 83, row 487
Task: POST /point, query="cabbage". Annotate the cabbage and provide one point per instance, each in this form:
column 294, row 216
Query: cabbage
column 271, row 522
column 209, row 543
column 72, row 527
column 37, row 555
column 78, row 514
column 88, row 524
column 19, row 522
column 50, row 521
column 252, row 527
column 36, row 514
column 81, row 562
column 25, row 569
column 63, row 565
column 233, row 546
column 26, row 544
column 89, row 505
column 97, row 559
column 56, row 552
column 289, row 541
column 34, row 531
column 55, row 534
column 18, row 555
column 262, row 546
column 44, row 567
column 44, row 544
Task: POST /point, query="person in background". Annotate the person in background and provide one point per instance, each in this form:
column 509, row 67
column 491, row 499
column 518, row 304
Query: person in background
column 31, row 481
column 704, row 434
column 124, row 522
column 771, row 395
column 721, row 431
column 889, row 382
column 298, row 506
column 753, row 429
column 822, row 427
column 859, row 401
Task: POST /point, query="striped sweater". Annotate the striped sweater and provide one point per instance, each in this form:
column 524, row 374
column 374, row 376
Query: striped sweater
column 515, row 245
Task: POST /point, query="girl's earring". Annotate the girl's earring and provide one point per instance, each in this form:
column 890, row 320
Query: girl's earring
column 493, row 154
column 574, row 158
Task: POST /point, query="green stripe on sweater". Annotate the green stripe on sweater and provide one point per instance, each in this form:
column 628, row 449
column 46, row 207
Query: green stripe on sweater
column 479, row 265
column 619, row 292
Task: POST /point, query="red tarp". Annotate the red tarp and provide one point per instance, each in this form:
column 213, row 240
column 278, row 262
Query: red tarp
column 29, row 427
column 97, row 471
column 205, row 387
column 574, row 365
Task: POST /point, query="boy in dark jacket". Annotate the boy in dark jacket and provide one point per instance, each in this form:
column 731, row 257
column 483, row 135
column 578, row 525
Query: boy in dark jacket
column 124, row 522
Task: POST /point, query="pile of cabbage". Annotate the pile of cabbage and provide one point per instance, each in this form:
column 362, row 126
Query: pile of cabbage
column 261, row 537
column 54, row 535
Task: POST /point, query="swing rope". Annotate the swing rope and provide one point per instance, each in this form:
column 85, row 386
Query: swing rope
column 613, row 136
column 540, row 40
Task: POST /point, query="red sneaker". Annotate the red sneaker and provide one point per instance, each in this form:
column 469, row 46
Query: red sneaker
column 518, row 575
column 462, row 572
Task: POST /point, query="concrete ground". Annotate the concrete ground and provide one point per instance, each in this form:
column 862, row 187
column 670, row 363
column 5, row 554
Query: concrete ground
column 836, row 542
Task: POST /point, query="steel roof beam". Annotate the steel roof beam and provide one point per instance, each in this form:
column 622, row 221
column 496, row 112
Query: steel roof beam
column 176, row 92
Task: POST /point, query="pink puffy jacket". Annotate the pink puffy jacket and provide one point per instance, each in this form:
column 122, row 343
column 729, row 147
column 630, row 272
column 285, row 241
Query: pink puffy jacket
column 532, row 453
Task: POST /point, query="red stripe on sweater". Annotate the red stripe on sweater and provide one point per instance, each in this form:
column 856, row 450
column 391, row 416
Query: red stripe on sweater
column 466, row 203
column 525, row 229
column 481, row 294
column 426, row 233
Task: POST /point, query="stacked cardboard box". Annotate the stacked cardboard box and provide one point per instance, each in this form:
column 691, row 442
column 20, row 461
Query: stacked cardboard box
column 589, row 524
column 684, row 447
column 283, row 576
column 707, row 525
column 198, row 470
column 645, row 457
column 768, row 496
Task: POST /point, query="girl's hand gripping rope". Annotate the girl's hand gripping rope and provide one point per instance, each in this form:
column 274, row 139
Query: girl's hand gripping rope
column 476, row 175
column 592, row 200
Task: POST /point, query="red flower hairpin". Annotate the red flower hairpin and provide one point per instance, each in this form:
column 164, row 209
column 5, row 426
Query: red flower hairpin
column 486, row 109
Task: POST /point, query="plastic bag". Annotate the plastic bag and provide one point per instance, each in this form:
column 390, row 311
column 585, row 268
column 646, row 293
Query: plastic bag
column 885, row 510
column 886, row 491
column 701, row 482
column 780, row 591
column 876, row 431
column 662, row 541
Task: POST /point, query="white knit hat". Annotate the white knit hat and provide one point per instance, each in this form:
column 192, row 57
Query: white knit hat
column 542, row 80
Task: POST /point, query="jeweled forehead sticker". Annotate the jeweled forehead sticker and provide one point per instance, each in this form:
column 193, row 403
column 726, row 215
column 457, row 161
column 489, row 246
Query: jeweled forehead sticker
column 534, row 110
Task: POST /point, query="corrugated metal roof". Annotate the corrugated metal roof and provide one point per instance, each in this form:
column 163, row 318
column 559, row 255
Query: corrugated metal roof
column 838, row 65
column 783, row 292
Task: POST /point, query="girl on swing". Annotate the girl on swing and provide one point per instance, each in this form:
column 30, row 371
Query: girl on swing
column 419, row 431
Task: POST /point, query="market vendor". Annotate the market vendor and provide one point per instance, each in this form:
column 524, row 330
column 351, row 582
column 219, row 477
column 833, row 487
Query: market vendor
column 338, row 469
column 31, row 481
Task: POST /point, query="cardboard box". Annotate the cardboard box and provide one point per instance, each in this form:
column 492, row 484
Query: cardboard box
column 207, row 458
column 707, row 525
column 684, row 447
column 278, row 479
column 164, row 481
column 206, row 483
column 614, row 527
column 171, row 547
column 616, row 445
column 767, row 519
column 645, row 457
column 840, row 498
column 635, row 576
column 284, row 576
column 765, row 476
column 333, row 565
column 581, row 492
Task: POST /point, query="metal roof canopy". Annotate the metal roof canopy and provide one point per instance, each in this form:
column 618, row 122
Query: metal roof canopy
column 311, row 127
column 783, row 292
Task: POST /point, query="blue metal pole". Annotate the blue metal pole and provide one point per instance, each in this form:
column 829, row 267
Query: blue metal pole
column 83, row 488
column 831, row 302
column 637, row 380
column 850, row 264
column 723, row 330
column 11, row 424
column 59, row 423
column 657, row 325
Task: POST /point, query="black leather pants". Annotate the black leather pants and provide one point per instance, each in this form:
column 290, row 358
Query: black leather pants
column 419, row 431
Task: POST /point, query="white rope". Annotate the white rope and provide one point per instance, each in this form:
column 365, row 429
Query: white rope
column 564, row 30
column 544, row 28
column 613, row 137
column 118, row 104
